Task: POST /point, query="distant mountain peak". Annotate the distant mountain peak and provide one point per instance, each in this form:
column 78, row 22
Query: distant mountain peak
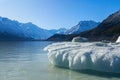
column 82, row 26
column 58, row 31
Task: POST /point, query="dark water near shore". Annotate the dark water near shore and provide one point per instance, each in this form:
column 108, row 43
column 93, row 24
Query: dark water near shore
column 28, row 61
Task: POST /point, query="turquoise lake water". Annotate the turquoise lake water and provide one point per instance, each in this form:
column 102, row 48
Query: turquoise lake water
column 27, row 61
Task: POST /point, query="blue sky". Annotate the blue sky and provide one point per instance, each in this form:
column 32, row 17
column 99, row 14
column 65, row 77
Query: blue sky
column 51, row 14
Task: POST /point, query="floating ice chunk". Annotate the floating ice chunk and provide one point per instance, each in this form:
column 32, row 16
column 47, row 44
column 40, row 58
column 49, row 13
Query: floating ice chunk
column 118, row 40
column 79, row 56
column 79, row 39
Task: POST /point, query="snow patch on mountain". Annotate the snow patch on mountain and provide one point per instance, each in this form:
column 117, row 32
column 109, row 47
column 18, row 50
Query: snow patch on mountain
column 82, row 26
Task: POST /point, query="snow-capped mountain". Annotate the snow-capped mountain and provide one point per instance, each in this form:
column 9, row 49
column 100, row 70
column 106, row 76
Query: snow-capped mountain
column 14, row 30
column 82, row 26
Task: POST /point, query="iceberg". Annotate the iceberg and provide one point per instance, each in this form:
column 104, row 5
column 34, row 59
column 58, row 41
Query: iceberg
column 97, row 56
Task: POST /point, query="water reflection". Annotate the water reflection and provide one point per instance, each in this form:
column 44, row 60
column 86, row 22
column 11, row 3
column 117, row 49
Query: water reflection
column 67, row 74
column 21, row 50
column 28, row 61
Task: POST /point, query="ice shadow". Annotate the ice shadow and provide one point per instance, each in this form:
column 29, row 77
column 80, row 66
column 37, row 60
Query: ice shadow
column 99, row 74
column 95, row 73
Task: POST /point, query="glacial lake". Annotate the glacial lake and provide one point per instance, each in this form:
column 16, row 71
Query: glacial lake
column 27, row 61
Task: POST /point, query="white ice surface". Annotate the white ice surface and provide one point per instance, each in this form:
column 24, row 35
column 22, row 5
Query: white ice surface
column 98, row 56
column 118, row 40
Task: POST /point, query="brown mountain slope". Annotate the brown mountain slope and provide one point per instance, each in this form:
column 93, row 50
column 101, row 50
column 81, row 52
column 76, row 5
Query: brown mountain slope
column 109, row 29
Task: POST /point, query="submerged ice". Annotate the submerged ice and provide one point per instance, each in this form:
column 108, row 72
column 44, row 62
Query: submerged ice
column 80, row 56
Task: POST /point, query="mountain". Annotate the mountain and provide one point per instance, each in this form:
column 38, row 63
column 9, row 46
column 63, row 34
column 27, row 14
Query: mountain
column 14, row 30
column 109, row 29
column 58, row 31
column 82, row 26
column 74, row 31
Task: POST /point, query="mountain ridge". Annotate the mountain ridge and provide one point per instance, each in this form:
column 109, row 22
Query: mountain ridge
column 108, row 29
column 14, row 30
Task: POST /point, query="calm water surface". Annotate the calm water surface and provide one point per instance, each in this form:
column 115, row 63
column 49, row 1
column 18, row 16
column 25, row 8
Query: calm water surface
column 28, row 61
